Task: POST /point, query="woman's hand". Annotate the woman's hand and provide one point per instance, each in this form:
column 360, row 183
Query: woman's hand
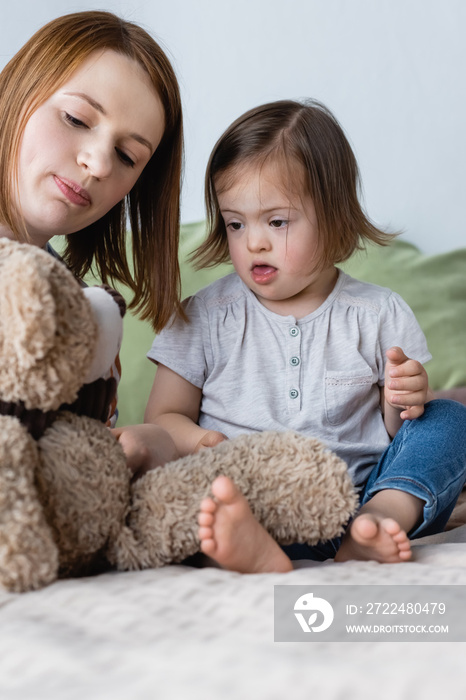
column 210, row 439
column 146, row 446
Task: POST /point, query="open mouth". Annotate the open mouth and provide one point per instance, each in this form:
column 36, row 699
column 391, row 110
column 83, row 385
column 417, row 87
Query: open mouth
column 263, row 273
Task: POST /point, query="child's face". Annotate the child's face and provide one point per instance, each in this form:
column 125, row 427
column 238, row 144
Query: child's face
column 273, row 239
column 84, row 148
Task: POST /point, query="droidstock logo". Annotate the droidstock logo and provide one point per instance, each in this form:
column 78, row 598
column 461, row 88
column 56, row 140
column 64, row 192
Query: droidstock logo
column 312, row 607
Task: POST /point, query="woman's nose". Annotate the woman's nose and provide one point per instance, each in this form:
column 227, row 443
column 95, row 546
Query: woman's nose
column 97, row 160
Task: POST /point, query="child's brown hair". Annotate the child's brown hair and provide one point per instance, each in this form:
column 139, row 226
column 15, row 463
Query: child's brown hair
column 39, row 68
column 291, row 132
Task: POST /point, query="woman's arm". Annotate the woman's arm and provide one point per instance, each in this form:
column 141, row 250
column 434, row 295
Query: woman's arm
column 146, row 447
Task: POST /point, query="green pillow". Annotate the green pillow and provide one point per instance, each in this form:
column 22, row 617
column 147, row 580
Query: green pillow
column 434, row 287
column 191, row 236
column 137, row 371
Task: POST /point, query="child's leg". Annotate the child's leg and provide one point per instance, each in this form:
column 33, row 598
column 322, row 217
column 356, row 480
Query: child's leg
column 379, row 530
column 231, row 535
column 412, row 490
column 414, row 487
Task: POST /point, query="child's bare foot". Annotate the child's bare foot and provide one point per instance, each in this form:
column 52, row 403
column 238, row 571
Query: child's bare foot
column 376, row 538
column 231, row 535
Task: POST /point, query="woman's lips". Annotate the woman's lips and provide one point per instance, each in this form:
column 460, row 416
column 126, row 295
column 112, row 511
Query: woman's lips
column 262, row 274
column 72, row 191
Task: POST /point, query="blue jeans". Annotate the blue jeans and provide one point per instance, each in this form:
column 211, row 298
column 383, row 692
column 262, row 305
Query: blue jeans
column 427, row 458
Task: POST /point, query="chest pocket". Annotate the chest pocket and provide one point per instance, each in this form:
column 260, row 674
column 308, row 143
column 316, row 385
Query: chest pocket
column 345, row 392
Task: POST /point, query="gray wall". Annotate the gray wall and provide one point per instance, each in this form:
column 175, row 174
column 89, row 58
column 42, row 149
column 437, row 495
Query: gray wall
column 391, row 70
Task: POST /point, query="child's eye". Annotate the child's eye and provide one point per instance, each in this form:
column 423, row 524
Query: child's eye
column 235, row 225
column 124, row 157
column 279, row 223
column 74, row 121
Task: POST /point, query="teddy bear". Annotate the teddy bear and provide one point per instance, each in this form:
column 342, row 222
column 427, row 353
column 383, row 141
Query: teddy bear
column 68, row 503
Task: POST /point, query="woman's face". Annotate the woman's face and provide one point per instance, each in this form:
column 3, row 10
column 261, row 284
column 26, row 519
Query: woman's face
column 84, row 148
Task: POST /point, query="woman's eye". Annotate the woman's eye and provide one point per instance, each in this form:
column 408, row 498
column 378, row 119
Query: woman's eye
column 279, row 223
column 124, row 157
column 74, row 121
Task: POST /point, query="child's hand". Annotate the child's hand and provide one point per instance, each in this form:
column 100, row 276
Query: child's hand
column 210, row 439
column 406, row 384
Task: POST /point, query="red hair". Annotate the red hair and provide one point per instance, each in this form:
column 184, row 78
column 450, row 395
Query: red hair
column 39, row 68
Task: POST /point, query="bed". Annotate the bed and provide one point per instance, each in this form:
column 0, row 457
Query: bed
column 183, row 632
column 194, row 631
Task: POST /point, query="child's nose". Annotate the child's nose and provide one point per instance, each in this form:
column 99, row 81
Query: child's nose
column 257, row 239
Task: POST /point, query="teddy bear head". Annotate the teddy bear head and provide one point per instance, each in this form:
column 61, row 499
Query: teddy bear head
column 47, row 330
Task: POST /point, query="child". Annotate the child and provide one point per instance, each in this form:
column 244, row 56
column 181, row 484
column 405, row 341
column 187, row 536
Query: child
column 91, row 131
column 290, row 341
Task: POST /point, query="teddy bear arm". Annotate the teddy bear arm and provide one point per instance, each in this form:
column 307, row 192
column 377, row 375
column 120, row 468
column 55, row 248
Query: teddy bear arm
column 84, row 487
column 28, row 554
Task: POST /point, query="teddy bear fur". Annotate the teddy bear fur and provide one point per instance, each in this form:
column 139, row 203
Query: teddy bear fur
column 63, row 495
column 46, row 329
column 68, row 504
column 297, row 489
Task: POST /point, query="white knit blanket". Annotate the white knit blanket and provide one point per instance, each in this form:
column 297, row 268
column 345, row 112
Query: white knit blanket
column 185, row 633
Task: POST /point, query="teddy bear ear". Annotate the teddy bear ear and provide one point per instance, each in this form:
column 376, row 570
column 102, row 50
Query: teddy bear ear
column 27, row 309
column 107, row 314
